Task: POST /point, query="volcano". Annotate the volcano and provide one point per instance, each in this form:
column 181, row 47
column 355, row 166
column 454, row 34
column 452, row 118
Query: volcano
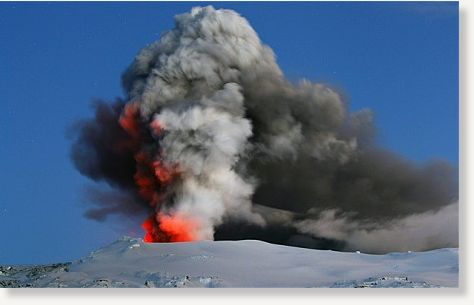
column 210, row 130
column 131, row 262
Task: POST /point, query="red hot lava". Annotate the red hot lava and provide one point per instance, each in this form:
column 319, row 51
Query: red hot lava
column 169, row 228
column 153, row 178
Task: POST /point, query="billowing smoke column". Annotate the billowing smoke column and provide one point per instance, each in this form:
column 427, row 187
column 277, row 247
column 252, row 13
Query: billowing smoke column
column 214, row 142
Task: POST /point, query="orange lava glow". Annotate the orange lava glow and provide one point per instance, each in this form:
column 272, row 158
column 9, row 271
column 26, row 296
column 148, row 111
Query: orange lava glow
column 164, row 173
column 157, row 127
column 169, row 228
column 153, row 177
column 148, row 225
column 130, row 119
column 145, row 179
column 178, row 228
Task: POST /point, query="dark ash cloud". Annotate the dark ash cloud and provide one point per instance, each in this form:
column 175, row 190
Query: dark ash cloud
column 258, row 156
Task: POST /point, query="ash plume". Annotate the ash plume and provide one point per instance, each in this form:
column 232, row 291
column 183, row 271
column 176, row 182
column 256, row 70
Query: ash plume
column 214, row 142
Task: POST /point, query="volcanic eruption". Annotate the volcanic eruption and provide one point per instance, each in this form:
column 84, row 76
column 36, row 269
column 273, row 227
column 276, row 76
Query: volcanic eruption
column 215, row 143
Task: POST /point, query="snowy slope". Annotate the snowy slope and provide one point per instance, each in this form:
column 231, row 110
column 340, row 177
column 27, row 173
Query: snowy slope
column 133, row 263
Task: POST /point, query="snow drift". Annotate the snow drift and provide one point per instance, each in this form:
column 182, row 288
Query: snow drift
column 249, row 263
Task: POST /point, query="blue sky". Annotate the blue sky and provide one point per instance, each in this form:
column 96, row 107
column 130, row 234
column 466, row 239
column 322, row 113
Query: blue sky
column 399, row 59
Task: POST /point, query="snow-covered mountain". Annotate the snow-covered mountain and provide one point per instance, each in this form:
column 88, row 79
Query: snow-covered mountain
column 129, row 262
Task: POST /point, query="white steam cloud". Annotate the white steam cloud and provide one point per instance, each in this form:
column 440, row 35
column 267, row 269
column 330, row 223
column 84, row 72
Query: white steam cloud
column 255, row 155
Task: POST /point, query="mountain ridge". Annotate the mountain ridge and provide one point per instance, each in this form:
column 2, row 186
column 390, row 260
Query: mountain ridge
column 131, row 262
